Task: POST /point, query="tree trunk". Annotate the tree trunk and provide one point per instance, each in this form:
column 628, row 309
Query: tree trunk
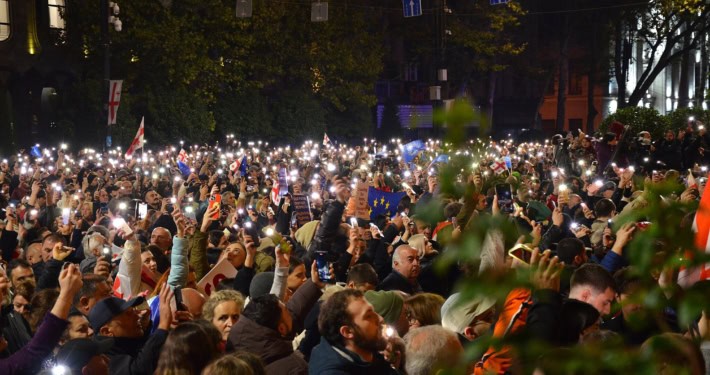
column 563, row 76
column 683, row 85
column 620, row 65
column 700, row 87
column 592, row 81
column 491, row 98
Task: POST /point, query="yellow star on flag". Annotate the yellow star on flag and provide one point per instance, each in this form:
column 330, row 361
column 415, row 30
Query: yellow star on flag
column 382, row 200
column 374, row 204
column 387, row 206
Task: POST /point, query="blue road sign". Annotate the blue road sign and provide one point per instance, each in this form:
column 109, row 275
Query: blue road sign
column 496, row 2
column 412, row 8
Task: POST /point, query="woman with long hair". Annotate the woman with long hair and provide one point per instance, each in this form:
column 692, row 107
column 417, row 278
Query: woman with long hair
column 190, row 347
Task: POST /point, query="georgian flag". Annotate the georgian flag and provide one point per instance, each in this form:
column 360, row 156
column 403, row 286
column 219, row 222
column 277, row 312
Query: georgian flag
column 326, row 140
column 701, row 225
column 234, row 166
column 498, row 167
column 182, row 163
column 137, row 140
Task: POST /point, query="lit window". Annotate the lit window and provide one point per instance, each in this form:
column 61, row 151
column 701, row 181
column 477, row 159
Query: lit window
column 56, row 10
column 4, row 20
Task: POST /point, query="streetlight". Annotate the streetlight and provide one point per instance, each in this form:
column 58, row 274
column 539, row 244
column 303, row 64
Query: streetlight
column 109, row 11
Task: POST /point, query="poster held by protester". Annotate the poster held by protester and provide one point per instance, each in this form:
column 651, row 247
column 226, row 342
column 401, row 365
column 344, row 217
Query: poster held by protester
column 302, row 209
column 362, row 209
column 222, row 270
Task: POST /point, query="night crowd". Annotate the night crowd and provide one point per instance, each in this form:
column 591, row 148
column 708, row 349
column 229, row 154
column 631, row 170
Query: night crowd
column 203, row 259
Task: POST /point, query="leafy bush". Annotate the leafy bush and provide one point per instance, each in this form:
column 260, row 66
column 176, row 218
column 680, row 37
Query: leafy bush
column 678, row 119
column 639, row 119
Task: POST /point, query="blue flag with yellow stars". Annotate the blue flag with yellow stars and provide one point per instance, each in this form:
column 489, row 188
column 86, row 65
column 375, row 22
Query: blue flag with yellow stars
column 382, row 202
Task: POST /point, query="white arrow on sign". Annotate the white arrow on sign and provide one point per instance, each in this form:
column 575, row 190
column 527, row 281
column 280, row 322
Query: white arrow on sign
column 411, row 7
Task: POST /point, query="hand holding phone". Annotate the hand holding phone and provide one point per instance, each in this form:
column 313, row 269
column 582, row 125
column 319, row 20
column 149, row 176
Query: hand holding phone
column 215, row 200
column 521, row 252
column 504, row 192
column 323, row 266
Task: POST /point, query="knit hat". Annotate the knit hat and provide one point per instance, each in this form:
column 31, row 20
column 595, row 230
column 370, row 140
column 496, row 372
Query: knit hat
column 261, row 284
column 386, row 303
column 457, row 313
column 542, row 212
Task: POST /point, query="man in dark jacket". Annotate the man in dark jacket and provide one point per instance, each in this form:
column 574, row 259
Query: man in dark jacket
column 265, row 328
column 330, row 222
column 405, row 270
column 669, row 151
column 352, row 337
column 131, row 352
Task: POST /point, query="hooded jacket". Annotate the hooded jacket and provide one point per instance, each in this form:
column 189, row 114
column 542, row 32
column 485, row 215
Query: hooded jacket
column 136, row 356
column 330, row 360
column 276, row 352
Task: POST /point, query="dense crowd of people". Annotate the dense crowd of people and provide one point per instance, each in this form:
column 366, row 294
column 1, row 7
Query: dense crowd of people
column 206, row 260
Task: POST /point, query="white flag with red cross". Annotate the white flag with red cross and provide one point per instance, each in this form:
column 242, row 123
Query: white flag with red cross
column 137, row 141
column 114, row 99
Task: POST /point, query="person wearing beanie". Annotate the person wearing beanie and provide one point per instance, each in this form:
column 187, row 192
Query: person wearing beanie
column 390, row 305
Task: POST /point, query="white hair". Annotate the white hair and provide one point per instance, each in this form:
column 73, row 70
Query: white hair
column 92, row 244
column 429, row 349
column 395, row 255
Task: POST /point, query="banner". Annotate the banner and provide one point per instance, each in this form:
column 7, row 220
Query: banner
column 114, row 99
column 222, row 270
column 283, row 182
column 362, row 209
column 302, row 209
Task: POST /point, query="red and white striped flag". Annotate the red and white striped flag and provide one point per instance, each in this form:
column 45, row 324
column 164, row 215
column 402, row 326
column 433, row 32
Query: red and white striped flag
column 701, row 226
column 137, row 141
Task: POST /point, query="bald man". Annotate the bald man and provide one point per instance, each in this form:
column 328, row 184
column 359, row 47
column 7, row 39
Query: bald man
column 193, row 300
column 161, row 238
column 405, row 271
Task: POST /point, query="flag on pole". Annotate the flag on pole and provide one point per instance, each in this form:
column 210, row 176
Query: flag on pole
column 326, row 140
column 114, row 99
column 412, row 149
column 243, row 166
column 137, row 141
column 701, row 225
column 182, row 163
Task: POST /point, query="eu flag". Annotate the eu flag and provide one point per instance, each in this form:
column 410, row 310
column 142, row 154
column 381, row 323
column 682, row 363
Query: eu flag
column 411, row 149
column 243, row 166
column 35, row 151
column 382, row 202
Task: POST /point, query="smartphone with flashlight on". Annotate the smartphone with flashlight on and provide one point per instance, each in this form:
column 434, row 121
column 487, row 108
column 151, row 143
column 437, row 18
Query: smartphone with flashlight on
column 142, row 210
column 250, row 230
column 120, row 223
column 66, row 214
